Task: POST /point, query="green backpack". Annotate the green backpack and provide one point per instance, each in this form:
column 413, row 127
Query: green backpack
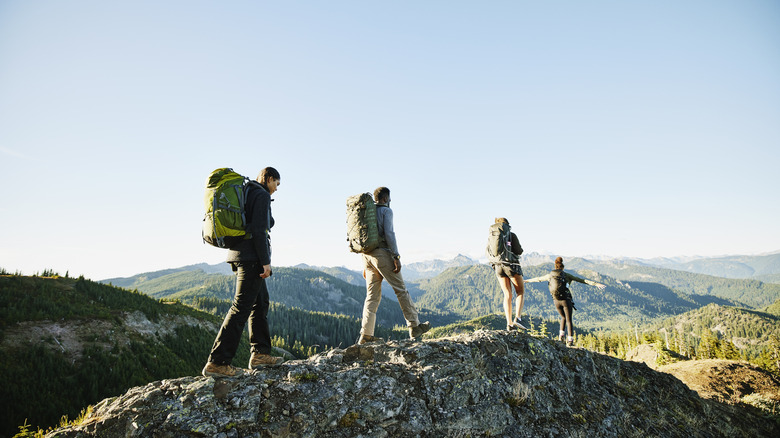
column 362, row 226
column 499, row 247
column 225, row 222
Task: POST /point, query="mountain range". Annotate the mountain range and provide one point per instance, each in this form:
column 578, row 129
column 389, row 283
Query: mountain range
column 411, row 272
column 55, row 323
column 764, row 267
column 462, row 288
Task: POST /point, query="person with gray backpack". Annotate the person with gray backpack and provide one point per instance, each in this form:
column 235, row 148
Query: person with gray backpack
column 370, row 233
column 503, row 251
column 558, row 282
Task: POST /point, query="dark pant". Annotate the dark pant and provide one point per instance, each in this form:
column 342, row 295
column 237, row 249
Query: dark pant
column 250, row 303
column 564, row 308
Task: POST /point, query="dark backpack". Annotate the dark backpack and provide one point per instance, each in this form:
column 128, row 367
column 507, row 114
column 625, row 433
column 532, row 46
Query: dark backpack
column 499, row 246
column 224, row 224
column 362, row 225
column 557, row 284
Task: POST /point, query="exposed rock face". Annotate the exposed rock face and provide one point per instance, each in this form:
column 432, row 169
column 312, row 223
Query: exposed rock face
column 727, row 381
column 644, row 353
column 71, row 336
column 483, row 384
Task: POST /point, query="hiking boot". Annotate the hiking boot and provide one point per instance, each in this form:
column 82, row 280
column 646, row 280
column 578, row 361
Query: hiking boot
column 570, row 342
column 512, row 327
column 562, row 338
column 263, row 360
column 519, row 324
column 221, row 371
column 364, row 339
column 419, row 329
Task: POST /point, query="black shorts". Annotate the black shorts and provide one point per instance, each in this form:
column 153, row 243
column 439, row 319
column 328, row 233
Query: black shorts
column 507, row 271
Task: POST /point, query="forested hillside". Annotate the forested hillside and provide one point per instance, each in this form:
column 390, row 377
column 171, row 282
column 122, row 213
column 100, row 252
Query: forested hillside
column 145, row 278
column 773, row 308
column 312, row 311
column 747, row 329
column 473, row 291
column 67, row 343
column 710, row 332
column 305, row 289
column 91, row 341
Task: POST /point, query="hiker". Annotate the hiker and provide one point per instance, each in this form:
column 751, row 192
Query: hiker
column 558, row 282
column 504, row 252
column 251, row 262
column 384, row 263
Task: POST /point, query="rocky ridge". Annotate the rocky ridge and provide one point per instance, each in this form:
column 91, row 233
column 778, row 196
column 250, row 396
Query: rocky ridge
column 488, row 383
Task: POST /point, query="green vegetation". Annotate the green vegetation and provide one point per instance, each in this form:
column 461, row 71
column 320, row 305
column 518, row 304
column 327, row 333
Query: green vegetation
column 682, row 315
column 773, row 308
column 304, row 377
column 303, row 289
column 678, row 345
column 349, row 419
column 699, row 287
column 62, row 298
column 39, row 371
column 472, row 291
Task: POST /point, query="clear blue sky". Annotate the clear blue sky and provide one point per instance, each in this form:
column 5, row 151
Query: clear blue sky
column 642, row 128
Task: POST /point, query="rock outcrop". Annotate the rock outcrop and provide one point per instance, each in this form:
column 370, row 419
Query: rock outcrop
column 489, row 383
column 727, row 381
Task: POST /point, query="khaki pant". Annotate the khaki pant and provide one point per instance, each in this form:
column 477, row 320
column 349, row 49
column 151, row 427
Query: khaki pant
column 378, row 265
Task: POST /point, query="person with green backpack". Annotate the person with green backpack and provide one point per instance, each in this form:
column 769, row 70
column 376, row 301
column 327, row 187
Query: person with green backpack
column 503, row 251
column 558, row 282
column 250, row 260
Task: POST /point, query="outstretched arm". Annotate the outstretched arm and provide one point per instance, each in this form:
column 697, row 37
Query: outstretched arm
column 538, row 279
column 585, row 281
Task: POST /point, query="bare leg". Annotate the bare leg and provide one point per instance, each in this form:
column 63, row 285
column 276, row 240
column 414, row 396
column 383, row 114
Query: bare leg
column 506, row 286
column 520, row 291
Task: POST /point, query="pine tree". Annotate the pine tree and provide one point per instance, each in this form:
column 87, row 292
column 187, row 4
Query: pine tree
column 543, row 331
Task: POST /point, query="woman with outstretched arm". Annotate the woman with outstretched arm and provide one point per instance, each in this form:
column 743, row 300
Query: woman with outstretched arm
column 558, row 282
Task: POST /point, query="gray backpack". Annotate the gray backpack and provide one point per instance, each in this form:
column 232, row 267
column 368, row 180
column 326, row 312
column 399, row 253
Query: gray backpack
column 362, row 226
column 499, row 246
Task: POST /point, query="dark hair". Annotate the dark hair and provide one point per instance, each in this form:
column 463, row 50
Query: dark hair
column 502, row 219
column 266, row 174
column 559, row 263
column 381, row 193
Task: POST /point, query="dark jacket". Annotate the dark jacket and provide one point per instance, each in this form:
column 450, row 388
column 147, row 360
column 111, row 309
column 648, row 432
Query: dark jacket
column 516, row 248
column 259, row 223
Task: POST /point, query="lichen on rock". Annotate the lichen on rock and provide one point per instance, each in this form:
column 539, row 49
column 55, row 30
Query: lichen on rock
column 488, row 383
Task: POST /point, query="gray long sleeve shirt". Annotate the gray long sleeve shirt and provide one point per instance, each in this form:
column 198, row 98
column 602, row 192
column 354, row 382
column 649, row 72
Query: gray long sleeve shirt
column 384, row 217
